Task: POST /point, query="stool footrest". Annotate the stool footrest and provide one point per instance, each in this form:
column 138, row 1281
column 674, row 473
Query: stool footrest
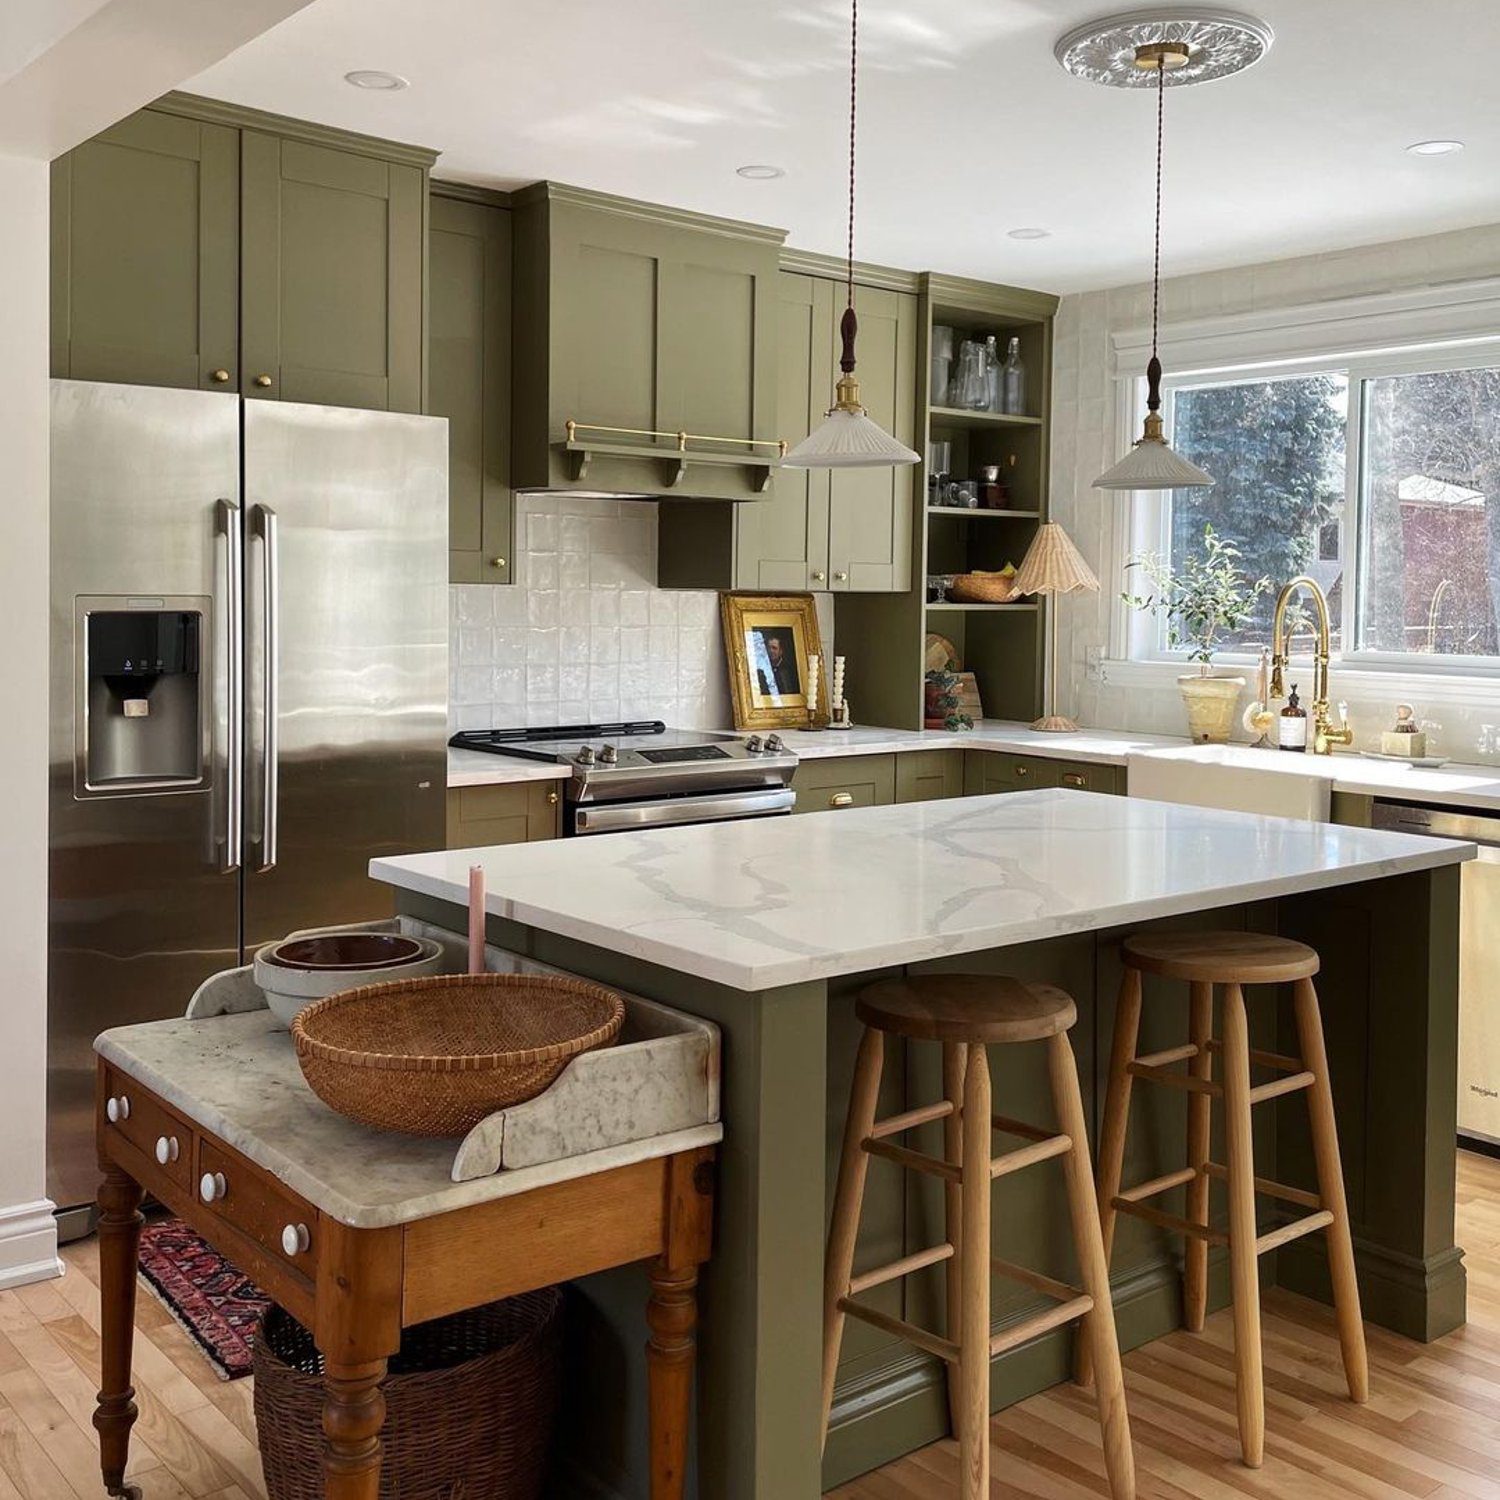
column 1007, row 1126
column 916, row 1161
column 1277, row 1060
column 898, row 1268
column 1300, row 1196
column 1274, row 1239
column 1171, row 1055
column 1151, row 1073
column 898, row 1124
column 1059, row 1291
column 1028, row 1156
column 944, row 1349
column 1288, row 1084
column 1039, row 1323
column 1173, row 1222
column 1158, row 1185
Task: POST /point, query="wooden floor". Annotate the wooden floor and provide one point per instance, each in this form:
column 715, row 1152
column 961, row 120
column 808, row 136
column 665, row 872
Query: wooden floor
column 1431, row 1429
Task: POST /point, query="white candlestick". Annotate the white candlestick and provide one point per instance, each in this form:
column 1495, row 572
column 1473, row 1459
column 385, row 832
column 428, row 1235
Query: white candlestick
column 836, row 694
column 813, row 664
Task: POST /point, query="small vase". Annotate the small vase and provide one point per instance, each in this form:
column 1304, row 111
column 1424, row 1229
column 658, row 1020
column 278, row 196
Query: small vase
column 1210, row 703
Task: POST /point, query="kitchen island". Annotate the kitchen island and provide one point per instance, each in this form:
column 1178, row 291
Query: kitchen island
column 770, row 927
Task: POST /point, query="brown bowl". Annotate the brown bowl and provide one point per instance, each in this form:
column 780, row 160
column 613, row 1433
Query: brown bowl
column 345, row 950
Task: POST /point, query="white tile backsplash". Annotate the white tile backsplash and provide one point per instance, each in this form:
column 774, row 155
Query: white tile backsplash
column 584, row 633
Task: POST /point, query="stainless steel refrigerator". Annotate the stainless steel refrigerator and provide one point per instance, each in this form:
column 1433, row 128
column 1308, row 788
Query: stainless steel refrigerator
column 249, row 697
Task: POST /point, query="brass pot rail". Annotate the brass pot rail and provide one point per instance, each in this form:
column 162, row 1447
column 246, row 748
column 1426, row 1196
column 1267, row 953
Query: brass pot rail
column 682, row 439
column 678, row 456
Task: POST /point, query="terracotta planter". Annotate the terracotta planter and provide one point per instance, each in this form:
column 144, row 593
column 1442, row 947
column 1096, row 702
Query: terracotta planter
column 1210, row 703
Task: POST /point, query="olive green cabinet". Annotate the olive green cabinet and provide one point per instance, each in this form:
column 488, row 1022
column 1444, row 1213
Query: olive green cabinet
column 199, row 245
column 988, row 771
column 514, row 813
column 145, row 254
column 632, row 316
column 469, row 377
column 929, row 775
column 844, row 781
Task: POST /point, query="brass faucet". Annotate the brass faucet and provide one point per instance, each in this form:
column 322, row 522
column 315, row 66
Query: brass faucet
column 1325, row 736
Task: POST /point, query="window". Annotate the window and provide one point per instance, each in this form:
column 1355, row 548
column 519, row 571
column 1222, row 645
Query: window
column 1382, row 484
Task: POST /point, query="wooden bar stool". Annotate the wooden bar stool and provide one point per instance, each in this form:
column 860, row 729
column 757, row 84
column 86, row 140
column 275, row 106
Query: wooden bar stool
column 964, row 1013
column 1231, row 960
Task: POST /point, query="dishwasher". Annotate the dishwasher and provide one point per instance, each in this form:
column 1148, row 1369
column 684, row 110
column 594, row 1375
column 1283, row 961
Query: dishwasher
column 1478, row 960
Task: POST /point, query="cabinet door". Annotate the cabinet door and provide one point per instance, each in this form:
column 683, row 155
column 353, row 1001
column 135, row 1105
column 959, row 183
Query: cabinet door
column 929, row 775
column 145, row 255
column 845, row 781
column 468, row 381
column 988, row 771
column 781, row 542
column 331, row 276
column 480, row 817
column 870, row 510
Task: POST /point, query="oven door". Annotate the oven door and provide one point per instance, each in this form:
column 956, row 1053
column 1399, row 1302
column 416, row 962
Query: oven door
column 672, row 812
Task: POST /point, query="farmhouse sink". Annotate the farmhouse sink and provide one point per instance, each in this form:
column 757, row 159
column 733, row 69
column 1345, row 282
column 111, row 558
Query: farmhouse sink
column 1236, row 778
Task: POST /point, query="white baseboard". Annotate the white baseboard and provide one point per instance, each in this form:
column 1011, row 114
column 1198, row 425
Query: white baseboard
column 28, row 1244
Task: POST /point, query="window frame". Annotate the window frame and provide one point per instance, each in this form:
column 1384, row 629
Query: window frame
column 1137, row 638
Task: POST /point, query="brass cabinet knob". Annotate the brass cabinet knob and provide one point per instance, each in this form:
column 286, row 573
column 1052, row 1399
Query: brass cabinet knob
column 1074, row 778
column 497, row 562
column 219, row 377
column 841, row 799
column 841, row 578
column 263, row 381
column 212, row 1188
column 552, row 799
column 296, row 1239
column 167, row 1149
column 818, row 575
column 1022, row 770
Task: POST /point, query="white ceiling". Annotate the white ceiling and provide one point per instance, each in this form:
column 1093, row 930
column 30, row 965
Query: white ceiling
column 968, row 128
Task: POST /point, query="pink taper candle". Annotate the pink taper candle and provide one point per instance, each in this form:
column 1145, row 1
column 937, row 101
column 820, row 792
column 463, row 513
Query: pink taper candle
column 476, row 919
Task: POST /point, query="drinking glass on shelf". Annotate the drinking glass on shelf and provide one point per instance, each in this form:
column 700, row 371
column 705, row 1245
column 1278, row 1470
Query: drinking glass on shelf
column 967, row 494
column 969, row 389
column 937, row 588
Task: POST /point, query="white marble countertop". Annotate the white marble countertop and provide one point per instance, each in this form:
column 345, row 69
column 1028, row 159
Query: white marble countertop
column 773, row 901
column 237, row 1076
column 479, row 768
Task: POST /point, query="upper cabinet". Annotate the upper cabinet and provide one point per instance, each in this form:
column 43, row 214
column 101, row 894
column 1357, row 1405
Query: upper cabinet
column 468, row 376
column 647, row 342
column 196, row 244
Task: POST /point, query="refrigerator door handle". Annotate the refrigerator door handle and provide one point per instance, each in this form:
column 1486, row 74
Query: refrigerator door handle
column 227, row 519
column 266, row 529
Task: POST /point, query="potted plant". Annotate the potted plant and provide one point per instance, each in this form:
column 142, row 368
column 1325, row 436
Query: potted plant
column 1203, row 599
column 942, row 708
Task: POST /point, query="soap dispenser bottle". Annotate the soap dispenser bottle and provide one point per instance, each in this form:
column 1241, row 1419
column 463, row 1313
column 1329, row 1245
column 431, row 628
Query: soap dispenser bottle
column 1292, row 733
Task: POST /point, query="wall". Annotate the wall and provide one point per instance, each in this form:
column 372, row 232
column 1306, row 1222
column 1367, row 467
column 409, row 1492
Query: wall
column 584, row 635
column 27, row 1239
column 1461, row 723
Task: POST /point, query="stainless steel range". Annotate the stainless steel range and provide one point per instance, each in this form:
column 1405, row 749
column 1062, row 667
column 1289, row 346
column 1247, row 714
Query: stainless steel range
column 644, row 775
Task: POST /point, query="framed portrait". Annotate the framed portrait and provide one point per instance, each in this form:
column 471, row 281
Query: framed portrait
column 768, row 639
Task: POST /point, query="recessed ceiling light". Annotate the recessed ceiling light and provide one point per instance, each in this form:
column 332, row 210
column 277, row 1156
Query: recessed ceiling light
column 1029, row 234
column 1435, row 148
column 758, row 172
column 373, row 78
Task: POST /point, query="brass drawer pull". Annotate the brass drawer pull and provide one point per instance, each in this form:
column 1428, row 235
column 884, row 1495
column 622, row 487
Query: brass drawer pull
column 263, row 381
column 213, row 1188
column 841, row 799
column 118, row 1110
column 1075, row 778
column 1021, row 770
column 295, row 1239
column 167, row 1149
column 219, row 377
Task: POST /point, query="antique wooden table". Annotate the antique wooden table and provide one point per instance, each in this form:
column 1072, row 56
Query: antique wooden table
column 359, row 1234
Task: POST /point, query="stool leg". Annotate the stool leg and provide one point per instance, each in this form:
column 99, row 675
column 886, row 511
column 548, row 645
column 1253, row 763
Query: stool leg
column 1199, row 1129
column 838, row 1264
column 974, row 1322
column 954, row 1059
column 1331, row 1189
column 1099, row 1325
column 1242, row 1253
column 1113, row 1127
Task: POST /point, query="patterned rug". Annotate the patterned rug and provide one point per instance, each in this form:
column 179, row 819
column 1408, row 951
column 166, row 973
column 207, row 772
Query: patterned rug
column 214, row 1301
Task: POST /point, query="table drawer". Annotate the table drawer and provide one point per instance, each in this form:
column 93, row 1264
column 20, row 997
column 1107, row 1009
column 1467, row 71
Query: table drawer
column 149, row 1126
column 252, row 1201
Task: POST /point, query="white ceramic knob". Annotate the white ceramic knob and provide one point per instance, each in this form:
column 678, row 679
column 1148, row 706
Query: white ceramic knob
column 295, row 1239
column 213, row 1187
column 118, row 1109
column 167, row 1149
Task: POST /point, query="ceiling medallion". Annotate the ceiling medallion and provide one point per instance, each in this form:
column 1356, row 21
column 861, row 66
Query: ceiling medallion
column 1220, row 43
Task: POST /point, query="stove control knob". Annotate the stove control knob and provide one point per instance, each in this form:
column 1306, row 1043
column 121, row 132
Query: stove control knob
column 752, row 745
column 585, row 756
column 774, row 745
column 608, row 755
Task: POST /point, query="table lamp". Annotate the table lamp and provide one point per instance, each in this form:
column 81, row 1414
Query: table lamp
column 1053, row 565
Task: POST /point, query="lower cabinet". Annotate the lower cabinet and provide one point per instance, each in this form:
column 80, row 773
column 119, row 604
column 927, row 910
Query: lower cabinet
column 516, row 813
column 989, row 771
column 845, row 781
column 927, row 775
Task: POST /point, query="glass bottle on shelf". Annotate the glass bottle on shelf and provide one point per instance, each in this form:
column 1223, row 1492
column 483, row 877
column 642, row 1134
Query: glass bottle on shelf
column 1013, row 380
column 968, row 388
column 992, row 382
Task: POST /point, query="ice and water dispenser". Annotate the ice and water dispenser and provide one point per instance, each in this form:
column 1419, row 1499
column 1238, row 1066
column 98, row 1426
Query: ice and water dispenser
column 146, row 692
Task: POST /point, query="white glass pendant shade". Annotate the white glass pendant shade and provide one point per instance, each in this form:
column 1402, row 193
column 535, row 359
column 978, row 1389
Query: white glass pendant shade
column 1152, row 465
column 848, row 440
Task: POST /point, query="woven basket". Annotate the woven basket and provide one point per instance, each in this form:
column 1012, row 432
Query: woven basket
column 435, row 1056
column 983, row 588
column 470, row 1404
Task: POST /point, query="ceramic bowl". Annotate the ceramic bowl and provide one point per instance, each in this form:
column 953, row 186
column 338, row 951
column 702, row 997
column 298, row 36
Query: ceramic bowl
column 290, row 985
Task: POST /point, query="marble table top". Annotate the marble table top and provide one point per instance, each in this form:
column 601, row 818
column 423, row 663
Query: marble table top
column 774, row 901
column 237, row 1077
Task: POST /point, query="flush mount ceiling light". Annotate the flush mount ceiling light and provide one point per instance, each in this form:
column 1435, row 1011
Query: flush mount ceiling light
column 373, row 78
column 848, row 438
column 759, row 172
column 1219, row 43
column 1029, row 234
column 1435, row 148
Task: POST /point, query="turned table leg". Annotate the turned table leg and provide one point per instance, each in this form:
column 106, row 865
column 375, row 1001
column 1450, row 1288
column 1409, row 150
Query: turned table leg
column 672, row 1316
column 119, row 1240
column 353, row 1414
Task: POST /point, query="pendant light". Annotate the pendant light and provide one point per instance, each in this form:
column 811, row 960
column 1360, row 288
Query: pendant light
column 1151, row 464
column 848, row 438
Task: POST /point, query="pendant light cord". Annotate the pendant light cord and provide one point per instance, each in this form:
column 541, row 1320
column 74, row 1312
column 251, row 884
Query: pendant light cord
column 1161, row 94
column 853, row 108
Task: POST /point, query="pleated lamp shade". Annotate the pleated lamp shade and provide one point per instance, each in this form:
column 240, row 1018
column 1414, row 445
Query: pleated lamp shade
column 848, row 440
column 1152, row 465
column 1053, row 565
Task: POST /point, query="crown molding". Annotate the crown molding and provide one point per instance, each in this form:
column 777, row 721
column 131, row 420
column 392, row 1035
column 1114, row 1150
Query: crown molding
column 1020, row 303
column 468, row 192
column 835, row 268
column 634, row 208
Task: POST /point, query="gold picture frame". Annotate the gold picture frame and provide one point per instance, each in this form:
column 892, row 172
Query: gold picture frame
column 767, row 641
